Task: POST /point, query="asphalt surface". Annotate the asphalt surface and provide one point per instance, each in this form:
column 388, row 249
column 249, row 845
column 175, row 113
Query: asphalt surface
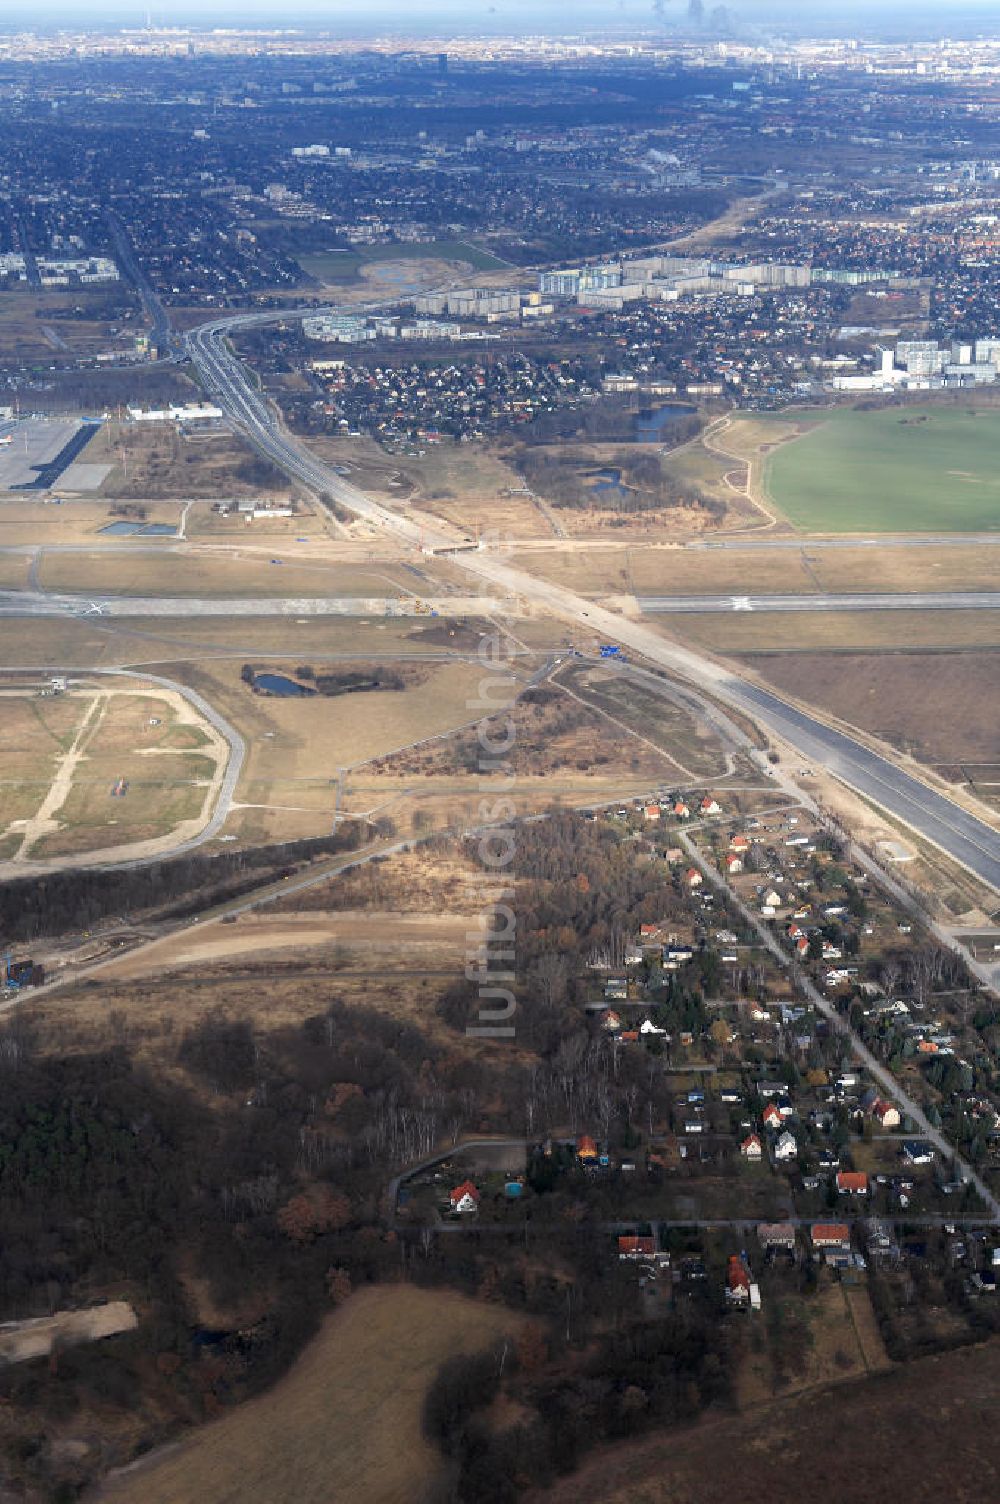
column 969, row 841
column 880, row 540
column 42, row 603
column 953, row 600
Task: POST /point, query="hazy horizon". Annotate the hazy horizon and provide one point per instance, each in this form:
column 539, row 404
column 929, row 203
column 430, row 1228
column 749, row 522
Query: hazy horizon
column 889, row 17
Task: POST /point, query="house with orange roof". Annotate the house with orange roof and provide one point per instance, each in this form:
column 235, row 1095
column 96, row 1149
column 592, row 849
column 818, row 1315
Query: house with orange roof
column 737, row 1280
column 651, row 812
column 464, row 1198
column 681, row 810
column 710, row 805
column 586, row 1150
column 630, row 1247
column 830, row 1235
column 852, row 1183
column 739, row 842
column 693, row 877
column 733, row 864
column 772, row 1116
column 751, row 1147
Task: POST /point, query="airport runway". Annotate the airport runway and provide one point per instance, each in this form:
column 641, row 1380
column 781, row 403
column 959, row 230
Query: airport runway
column 951, row 600
column 28, row 603
column 969, row 841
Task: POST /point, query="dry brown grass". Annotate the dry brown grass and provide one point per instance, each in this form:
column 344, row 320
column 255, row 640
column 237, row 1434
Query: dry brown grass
column 747, row 632
column 161, row 462
column 899, row 1432
column 890, row 695
column 42, row 522
column 344, row 1424
column 25, row 312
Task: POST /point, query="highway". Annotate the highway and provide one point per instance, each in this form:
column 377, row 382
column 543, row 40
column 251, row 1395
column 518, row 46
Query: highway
column 968, row 840
column 947, row 600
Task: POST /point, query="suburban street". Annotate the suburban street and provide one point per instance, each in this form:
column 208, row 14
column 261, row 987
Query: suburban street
column 889, row 1083
column 962, row 836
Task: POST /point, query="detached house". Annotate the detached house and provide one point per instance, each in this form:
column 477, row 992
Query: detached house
column 693, row 877
column 830, row 1235
column 710, row 806
column 682, row 810
column 886, row 1115
column 786, row 1148
column 751, row 1147
column 464, row 1198
column 733, row 864
column 586, row 1150
column 737, row 1281
column 630, row 1247
column 772, row 1116
column 740, row 844
column 852, row 1183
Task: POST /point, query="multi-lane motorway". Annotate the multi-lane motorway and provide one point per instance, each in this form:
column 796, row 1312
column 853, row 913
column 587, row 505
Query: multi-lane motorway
column 957, row 832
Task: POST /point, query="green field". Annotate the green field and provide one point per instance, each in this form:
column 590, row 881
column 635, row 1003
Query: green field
column 344, row 265
column 907, row 470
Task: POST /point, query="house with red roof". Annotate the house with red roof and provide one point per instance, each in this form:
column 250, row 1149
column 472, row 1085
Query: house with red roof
column 739, row 843
column 693, row 877
column 630, row 1247
column 830, row 1235
column 464, row 1198
column 751, row 1147
column 852, row 1183
column 710, row 805
column 737, row 1280
column 733, row 864
column 682, row 810
column 886, row 1114
column 586, row 1150
column 772, row 1116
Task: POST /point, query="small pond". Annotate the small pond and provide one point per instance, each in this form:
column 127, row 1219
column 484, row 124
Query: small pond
column 280, row 685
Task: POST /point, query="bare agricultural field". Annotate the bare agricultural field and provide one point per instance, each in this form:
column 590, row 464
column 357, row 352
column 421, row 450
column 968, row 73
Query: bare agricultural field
column 889, row 694
column 346, row 1421
column 769, row 1450
column 406, row 942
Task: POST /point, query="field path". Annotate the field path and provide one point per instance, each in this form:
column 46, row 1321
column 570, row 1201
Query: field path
column 42, row 822
column 753, row 491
